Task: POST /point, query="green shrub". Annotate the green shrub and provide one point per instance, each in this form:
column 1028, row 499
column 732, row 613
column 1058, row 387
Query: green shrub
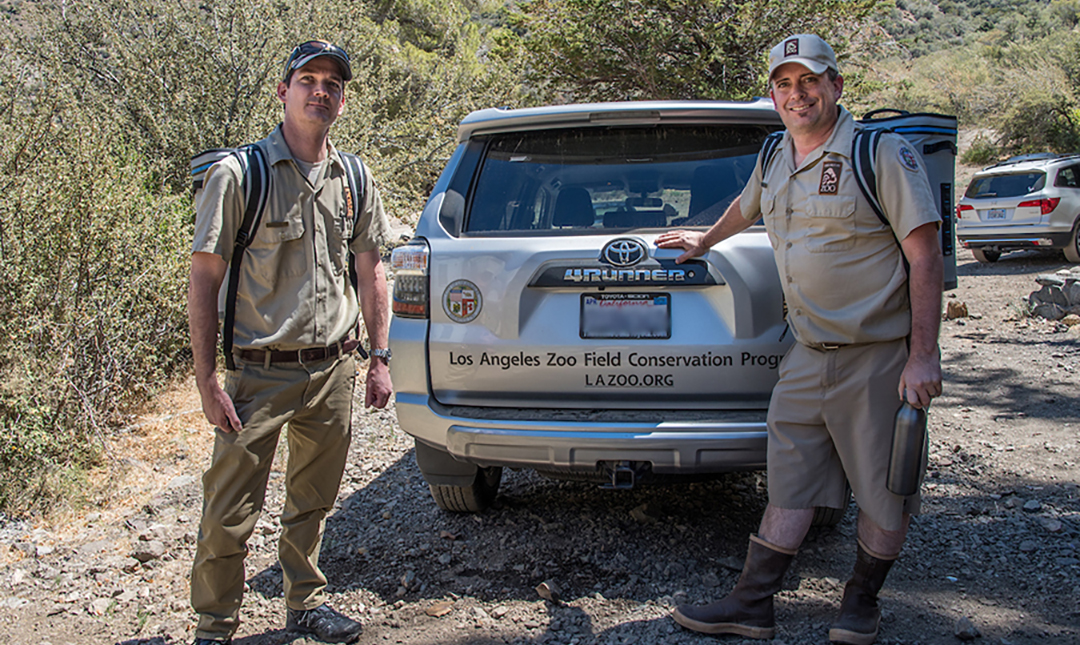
column 981, row 152
column 92, row 277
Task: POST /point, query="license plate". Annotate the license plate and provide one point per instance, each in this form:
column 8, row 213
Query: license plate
column 995, row 213
column 625, row 315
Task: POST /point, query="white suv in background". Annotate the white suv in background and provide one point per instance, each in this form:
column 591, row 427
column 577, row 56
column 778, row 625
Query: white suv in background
column 1030, row 201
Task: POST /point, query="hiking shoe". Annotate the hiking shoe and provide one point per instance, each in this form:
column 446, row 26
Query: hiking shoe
column 211, row 641
column 326, row 624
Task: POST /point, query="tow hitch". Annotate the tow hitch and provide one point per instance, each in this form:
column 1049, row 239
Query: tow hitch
column 623, row 474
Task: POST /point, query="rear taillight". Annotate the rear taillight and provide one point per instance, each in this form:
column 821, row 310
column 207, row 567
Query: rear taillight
column 410, row 266
column 1045, row 205
column 960, row 208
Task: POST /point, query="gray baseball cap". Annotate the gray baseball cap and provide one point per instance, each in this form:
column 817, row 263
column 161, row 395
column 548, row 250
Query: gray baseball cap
column 808, row 50
column 304, row 53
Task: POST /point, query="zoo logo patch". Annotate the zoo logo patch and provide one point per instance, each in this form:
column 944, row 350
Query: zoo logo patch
column 908, row 159
column 830, row 178
column 462, row 301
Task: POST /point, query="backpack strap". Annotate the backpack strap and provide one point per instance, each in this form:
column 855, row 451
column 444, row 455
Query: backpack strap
column 354, row 174
column 354, row 195
column 769, row 149
column 255, row 183
column 864, row 147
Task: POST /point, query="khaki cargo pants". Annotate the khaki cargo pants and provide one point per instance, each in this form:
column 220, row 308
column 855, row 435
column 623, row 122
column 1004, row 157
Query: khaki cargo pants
column 315, row 400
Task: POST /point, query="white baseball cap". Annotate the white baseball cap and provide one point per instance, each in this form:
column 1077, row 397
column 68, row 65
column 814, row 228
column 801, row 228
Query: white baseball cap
column 808, row 50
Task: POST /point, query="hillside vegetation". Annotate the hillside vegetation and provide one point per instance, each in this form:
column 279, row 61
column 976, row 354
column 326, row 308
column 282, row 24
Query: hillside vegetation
column 1011, row 69
column 103, row 102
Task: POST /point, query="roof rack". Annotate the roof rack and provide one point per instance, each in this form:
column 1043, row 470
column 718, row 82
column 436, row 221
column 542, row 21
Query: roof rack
column 1034, row 156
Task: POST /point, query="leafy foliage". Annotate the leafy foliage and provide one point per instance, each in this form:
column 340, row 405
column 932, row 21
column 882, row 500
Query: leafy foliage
column 1025, row 92
column 924, row 26
column 669, row 49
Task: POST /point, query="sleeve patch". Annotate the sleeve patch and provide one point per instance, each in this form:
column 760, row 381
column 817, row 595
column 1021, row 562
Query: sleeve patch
column 908, row 159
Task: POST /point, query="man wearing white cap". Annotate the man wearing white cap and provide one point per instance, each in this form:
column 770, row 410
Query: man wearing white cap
column 295, row 309
column 866, row 328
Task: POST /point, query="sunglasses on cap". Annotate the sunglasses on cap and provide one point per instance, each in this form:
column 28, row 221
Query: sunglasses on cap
column 304, row 53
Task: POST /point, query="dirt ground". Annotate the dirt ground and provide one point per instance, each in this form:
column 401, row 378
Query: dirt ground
column 994, row 558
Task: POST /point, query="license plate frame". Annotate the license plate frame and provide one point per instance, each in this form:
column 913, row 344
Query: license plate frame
column 996, row 215
column 625, row 316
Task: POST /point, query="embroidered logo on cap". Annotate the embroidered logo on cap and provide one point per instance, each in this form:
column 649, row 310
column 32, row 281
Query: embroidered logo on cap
column 908, row 158
column 791, row 47
column 830, row 178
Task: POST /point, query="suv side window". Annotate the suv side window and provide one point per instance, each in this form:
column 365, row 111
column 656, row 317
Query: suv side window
column 1068, row 177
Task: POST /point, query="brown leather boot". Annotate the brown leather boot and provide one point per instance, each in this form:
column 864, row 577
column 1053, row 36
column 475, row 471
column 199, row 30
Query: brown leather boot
column 859, row 611
column 748, row 609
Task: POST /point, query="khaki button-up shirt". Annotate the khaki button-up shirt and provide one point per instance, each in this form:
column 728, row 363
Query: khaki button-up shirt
column 294, row 289
column 841, row 269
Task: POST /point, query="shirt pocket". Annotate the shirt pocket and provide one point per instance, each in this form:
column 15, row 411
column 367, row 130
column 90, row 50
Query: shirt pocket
column 830, row 223
column 274, row 231
column 341, row 232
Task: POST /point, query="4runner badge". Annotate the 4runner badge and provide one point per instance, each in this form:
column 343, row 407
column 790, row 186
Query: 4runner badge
column 462, row 301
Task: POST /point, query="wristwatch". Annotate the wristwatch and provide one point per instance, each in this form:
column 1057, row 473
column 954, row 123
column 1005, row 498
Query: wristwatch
column 383, row 354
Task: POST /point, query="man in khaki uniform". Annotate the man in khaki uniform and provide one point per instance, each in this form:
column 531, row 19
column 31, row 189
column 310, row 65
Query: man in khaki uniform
column 295, row 309
column 867, row 337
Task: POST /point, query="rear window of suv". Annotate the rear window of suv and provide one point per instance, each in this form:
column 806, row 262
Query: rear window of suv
column 596, row 179
column 1011, row 185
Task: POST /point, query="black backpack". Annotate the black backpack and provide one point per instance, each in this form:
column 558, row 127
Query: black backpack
column 256, row 187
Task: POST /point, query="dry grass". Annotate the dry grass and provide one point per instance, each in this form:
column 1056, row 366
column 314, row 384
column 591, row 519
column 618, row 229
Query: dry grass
column 168, row 438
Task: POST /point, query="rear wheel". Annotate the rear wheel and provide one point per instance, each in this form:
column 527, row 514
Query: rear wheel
column 986, row 256
column 475, row 497
column 1072, row 249
column 827, row 517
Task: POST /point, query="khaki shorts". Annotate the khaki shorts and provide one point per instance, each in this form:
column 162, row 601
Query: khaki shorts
column 830, row 422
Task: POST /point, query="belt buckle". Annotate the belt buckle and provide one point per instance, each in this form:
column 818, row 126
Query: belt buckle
column 310, row 355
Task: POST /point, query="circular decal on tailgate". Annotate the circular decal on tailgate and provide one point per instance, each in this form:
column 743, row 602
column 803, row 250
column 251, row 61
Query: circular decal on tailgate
column 461, row 301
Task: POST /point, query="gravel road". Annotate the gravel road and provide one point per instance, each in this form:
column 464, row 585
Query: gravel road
column 995, row 557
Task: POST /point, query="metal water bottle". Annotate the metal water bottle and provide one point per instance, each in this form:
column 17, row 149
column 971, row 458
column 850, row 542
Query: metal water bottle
column 908, row 446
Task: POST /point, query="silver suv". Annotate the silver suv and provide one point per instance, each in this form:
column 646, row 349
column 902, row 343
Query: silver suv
column 537, row 325
column 1031, row 201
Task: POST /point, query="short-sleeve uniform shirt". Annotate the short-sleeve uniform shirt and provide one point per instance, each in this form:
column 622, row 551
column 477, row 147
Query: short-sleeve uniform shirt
column 841, row 269
column 294, row 290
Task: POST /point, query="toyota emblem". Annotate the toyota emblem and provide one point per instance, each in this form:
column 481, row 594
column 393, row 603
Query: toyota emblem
column 624, row 252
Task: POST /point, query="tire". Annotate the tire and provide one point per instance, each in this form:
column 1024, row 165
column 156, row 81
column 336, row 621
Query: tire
column 986, row 256
column 826, row 517
column 1072, row 250
column 475, row 498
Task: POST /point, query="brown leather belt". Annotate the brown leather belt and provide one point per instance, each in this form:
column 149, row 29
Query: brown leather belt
column 307, row 355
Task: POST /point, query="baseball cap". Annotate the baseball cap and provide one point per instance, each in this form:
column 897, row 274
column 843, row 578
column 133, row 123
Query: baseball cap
column 304, row 53
column 808, row 50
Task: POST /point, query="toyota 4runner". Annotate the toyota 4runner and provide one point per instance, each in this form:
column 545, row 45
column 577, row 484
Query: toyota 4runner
column 537, row 325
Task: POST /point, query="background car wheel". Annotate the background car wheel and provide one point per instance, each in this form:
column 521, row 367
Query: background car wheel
column 1072, row 249
column 826, row 517
column 473, row 498
column 986, row 257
